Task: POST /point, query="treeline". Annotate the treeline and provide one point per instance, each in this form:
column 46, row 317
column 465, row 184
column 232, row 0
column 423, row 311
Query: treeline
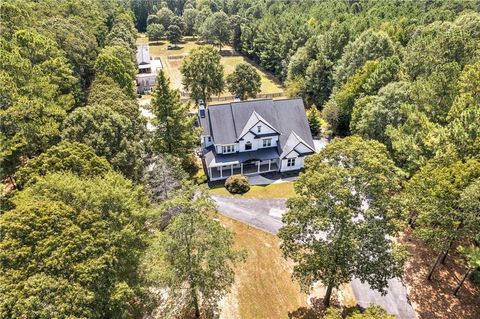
column 96, row 209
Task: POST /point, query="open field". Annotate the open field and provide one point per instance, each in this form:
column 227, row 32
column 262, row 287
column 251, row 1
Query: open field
column 279, row 190
column 171, row 66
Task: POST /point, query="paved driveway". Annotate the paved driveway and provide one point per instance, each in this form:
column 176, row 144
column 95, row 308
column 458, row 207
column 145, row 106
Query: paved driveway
column 266, row 214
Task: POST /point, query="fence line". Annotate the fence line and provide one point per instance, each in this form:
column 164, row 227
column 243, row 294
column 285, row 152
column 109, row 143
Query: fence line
column 185, row 96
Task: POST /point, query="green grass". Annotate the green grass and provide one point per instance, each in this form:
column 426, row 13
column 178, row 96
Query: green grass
column 171, row 67
column 279, row 190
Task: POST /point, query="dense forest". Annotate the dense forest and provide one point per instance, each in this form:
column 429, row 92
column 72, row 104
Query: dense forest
column 99, row 215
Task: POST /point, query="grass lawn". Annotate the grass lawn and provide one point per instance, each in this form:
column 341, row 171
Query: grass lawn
column 269, row 84
column 279, row 190
column 263, row 287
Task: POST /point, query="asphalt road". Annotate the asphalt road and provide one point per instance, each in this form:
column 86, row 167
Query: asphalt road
column 266, row 215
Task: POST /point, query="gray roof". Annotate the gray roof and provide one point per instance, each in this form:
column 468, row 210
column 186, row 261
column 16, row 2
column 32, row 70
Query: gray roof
column 143, row 55
column 225, row 122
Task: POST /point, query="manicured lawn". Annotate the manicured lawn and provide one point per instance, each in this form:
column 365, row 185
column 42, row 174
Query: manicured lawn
column 263, row 286
column 171, row 66
column 279, row 190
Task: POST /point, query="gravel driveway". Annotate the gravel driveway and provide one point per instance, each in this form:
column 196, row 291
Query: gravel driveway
column 266, row 214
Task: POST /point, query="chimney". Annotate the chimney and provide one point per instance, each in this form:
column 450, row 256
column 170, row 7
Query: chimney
column 201, row 109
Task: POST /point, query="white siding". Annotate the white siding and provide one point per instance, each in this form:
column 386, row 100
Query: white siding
column 299, row 162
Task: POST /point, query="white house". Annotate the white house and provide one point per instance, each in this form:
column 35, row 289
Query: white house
column 254, row 137
column 147, row 69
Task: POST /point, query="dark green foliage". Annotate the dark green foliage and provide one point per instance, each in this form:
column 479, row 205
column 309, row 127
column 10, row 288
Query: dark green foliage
column 75, row 158
column 237, row 184
column 110, row 134
column 72, row 244
column 174, row 33
column 244, row 82
column 155, row 31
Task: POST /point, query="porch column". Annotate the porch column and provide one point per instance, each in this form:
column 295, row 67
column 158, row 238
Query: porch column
column 269, row 164
column 221, row 171
column 210, row 172
column 231, row 169
column 241, row 168
column 259, row 166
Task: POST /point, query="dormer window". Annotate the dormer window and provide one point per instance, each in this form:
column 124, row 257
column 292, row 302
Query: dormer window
column 259, row 129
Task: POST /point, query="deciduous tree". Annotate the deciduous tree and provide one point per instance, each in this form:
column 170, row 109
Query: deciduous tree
column 343, row 219
column 203, row 73
column 244, row 82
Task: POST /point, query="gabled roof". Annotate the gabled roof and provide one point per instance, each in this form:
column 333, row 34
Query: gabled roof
column 252, row 121
column 292, row 142
column 227, row 122
column 143, row 55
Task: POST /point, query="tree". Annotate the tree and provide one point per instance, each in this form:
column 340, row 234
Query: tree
column 370, row 45
column 472, row 255
column 165, row 16
column 117, row 62
column 152, row 19
column 244, row 82
column 175, row 133
column 216, row 29
column 174, row 33
column 73, row 157
column 71, row 247
column 441, row 215
column 192, row 258
column 190, row 18
column 155, row 31
column 110, row 134
column 313, row 116
column 344, row 217
column 203, row 73
column 179, row 22
column 371, row 312
column 163, row 176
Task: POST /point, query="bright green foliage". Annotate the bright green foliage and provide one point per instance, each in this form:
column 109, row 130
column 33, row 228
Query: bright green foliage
column 370, row 45
column 76, row 158
column 175, row 133
column 192, row 258
column 216, row 29
column 352, row 89
column 345, row 213
column 415, row 140
column 123, row 32
column 203, row 73
column 244, row 82
column 117, row 62
column 165, row 16
column 70, row 247
column 441, row 213
column 155, row 31
column 106, row 92
column 110, row 134
column 313, row 116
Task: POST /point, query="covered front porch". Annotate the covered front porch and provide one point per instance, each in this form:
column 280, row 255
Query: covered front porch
column 251, row 167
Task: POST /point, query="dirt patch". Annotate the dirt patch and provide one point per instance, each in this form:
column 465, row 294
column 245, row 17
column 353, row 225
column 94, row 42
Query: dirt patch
column 435, row 299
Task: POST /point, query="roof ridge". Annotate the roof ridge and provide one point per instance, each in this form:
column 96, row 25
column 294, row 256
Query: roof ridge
column 233, row 120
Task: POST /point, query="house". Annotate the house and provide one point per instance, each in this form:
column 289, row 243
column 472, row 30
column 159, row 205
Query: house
column 253, row 137
column 147, row 69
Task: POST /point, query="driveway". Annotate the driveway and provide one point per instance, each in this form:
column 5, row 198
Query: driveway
column 266, row 214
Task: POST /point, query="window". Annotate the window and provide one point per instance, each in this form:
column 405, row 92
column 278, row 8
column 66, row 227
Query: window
column 259, row 129
column 209, row 139
column 267, row 142
column 248, row 146
column 228, row 148
column 291, row 162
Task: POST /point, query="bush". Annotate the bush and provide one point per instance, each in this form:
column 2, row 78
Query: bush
column 237, row 184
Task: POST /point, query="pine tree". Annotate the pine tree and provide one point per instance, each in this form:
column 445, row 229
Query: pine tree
column 175, row 133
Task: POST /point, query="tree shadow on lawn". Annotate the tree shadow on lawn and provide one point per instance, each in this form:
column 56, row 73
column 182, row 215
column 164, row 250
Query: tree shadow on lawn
column 318, row 310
